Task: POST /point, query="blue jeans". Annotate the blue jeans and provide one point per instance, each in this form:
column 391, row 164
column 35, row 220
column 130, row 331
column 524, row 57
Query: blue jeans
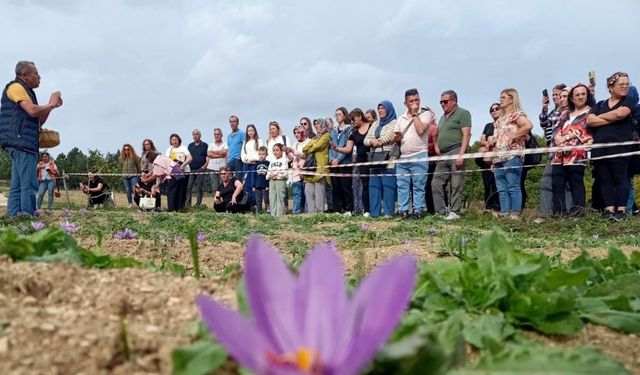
column 24, row 182
column 418, row 171
column 299, row 204
column 632, row 197
column 237, row 166
column 508, row 184
column 382, row 188
column 129, row 183
column 46, row 186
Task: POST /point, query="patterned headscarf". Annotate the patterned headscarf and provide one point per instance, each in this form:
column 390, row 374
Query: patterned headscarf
column 324, row 127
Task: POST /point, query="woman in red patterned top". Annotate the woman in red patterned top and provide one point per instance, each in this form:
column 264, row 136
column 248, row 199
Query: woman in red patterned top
column 568, row 166
column 509, row 135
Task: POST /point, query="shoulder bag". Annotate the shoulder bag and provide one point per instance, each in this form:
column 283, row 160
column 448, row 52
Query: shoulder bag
column 395, row 149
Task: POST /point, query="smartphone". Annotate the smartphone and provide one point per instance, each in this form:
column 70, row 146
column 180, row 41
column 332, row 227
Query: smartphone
column 592, row 77
column 545, row 93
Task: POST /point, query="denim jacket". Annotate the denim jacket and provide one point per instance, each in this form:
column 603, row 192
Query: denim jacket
column 340, row 138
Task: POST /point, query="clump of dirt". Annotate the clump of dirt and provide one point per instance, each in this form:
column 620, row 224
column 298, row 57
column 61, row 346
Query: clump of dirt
column 62, row 319
column 622, row 347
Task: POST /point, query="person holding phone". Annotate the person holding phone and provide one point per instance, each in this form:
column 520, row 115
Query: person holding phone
column 548, row 122
column 47, row 172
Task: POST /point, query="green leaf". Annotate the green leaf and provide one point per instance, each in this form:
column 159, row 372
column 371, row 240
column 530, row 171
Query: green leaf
column 627, row 285
column 488, row 331
column 559, row 277
column 201, row 358
column 241, row 297
column 611, row 312
column 417, row 353
column 533, row 359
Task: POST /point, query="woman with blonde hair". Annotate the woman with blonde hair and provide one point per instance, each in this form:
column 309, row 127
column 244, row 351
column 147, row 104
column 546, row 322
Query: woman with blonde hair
column 130, row 166
column 508, row 136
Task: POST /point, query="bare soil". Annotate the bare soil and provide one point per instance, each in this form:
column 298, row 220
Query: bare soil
column 62, row 319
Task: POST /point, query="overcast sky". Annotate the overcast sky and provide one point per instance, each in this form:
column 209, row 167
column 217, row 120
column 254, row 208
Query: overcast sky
column 132, row 69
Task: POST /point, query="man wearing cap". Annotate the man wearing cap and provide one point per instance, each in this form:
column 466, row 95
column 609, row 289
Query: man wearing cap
column 21, row 119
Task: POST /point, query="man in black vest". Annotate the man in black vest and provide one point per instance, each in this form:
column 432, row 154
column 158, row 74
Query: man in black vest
column 21, row 119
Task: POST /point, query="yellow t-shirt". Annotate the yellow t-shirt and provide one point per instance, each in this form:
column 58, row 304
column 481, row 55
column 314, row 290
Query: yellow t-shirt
column 17, row 93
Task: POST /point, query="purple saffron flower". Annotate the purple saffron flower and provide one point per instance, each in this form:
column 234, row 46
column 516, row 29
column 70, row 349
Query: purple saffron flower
column 37, row 213
column 177, row 238
column 307, row 323
column 364, row 227
column 67, row 212
column 432, row 230
column 201, row 237
column 37, row 225
column 126, row 234
column 68, row 227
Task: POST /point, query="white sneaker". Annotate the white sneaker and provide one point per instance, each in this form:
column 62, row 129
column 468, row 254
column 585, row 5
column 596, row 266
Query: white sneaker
column 366, row 214
column 129, row 206
column 347, row 214
column 452, row 216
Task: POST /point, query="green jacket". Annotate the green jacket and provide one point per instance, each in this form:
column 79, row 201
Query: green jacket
column 319, row 147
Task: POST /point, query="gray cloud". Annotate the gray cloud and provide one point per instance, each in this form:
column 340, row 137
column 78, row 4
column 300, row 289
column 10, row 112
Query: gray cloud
column 135, row 69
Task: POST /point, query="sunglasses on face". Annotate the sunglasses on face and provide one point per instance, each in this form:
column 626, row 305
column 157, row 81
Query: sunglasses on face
column 443, row 102
column 494, row 109
column 304, row 123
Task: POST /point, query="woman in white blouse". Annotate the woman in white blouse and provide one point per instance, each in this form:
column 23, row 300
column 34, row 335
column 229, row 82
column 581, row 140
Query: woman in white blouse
column 249, row 155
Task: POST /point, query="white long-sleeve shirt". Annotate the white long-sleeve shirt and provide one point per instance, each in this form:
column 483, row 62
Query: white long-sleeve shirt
column 249, row 152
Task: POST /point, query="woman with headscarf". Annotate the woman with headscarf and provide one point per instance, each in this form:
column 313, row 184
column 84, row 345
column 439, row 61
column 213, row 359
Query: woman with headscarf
column 318, row 149
column 380, row 139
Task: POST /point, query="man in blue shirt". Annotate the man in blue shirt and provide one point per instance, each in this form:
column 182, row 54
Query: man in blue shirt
column 235, row 139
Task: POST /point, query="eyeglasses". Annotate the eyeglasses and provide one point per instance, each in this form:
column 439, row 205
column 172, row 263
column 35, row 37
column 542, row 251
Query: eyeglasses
column 494, row 109
column 304, row 123
column 443, row 102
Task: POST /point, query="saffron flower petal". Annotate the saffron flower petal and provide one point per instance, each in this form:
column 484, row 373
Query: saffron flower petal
column 321, row 300
column 238, row 335
column 376, row 308
column 37, row 225
column 270, row 293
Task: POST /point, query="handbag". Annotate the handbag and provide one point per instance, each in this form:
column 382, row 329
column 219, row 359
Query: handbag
column 310, row 163
column 147, row 203
column 377, row 156
column 56, row 193
column 394, row 153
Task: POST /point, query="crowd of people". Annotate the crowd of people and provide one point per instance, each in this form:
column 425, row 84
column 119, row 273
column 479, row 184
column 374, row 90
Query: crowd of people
column 366, row 162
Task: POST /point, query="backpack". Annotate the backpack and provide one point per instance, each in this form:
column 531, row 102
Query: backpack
column 531, row 160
